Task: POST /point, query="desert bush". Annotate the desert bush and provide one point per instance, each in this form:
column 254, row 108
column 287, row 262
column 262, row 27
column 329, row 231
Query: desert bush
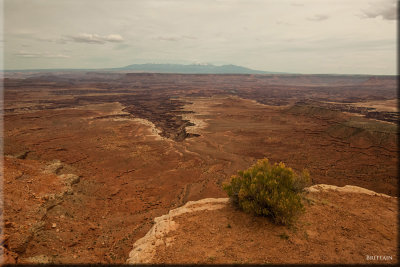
column 271, row 190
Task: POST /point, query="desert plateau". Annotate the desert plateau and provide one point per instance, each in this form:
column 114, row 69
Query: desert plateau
column 92, row 158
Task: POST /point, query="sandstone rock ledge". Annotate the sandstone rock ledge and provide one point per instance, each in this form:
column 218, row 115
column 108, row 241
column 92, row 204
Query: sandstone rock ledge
column 341, row 225
column 346, row 188
column 145, row 248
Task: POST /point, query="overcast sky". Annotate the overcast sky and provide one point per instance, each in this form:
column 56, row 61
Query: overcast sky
column 302, row 36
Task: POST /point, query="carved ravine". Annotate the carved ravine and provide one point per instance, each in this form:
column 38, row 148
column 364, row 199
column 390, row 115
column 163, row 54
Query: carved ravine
column 144, row 249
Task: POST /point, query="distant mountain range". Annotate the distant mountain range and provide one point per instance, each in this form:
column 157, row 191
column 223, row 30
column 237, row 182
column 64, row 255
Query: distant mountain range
column 192, row 68
column 181, row 69
column 168, row 68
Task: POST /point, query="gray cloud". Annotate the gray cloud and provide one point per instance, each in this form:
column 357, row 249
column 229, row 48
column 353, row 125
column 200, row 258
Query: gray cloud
column 175, row 38
column 335, row 44
column 26, row 54
column 247, row 33
column 91, row 38
column 281, row 22
column 122, row 46
column 168, row 38
column 52, row 40
column 296, row 4
column 319, row 17
column 386, row 9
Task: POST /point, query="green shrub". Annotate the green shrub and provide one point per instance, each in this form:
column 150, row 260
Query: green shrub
column 269, row 190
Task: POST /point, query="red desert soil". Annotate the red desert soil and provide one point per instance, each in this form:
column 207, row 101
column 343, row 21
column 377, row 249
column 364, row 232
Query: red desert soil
column 337, row 227
column 84, row 177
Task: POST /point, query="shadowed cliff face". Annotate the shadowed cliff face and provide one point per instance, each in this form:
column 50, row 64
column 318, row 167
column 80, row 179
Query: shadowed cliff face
column 164, row 112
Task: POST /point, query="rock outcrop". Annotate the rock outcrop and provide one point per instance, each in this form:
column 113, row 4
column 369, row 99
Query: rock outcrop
column 340, row 225
column 145, row 248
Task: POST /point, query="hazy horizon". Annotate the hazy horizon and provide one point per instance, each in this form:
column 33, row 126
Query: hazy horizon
column 268, row 72
column 304, row 36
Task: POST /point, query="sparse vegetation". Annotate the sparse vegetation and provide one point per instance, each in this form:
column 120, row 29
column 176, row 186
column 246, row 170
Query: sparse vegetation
column 211, row 258
column 271, row 190
column 284, row 236
column 305, row 235
column 324, row 202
